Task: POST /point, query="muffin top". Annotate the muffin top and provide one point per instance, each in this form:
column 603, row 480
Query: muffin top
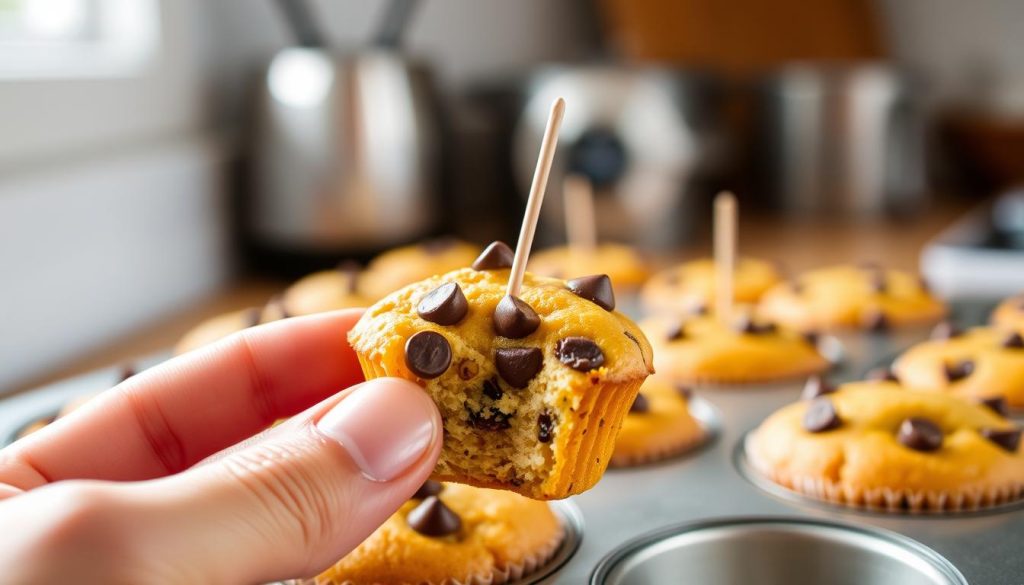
column 983, row 362
column 1010, row 313
column 658, row 424
column 691, row 286
column 621, row 263
column 869, row 435
column 396, row 268
column 327, row 290
column 458, row 533
column 703, row 349
column 851, row 297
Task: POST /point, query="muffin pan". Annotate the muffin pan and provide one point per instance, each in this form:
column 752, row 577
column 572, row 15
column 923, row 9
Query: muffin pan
column 730, row 524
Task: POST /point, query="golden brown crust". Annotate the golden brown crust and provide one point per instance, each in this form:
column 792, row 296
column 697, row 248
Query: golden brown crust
column 1010, row 314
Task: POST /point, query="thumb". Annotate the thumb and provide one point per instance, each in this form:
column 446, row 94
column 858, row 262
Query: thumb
column 306, row 494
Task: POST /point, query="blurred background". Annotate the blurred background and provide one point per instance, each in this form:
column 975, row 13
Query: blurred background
column 165, row 160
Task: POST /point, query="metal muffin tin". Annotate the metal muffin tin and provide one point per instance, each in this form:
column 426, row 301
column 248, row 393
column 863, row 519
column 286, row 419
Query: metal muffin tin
column 722, row 511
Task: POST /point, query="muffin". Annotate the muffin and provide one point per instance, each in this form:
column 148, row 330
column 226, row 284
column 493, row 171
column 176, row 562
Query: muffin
column 218, row 327
column 402, row 266
column 852, row 297
column 876, row 446
column 659, row 425
column 983, row 362
column 690, row 287
column 327, row 290
column 1010, row 314
column 702, row 349
column 532, row 390
column 622, row 264
column 453, row 534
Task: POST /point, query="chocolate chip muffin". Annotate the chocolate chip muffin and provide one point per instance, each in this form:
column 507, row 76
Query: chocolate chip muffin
column 866, row 297
column 701, row 349
column 659, row 425
column 1010, row 314
column 878, row 446
column 623, row 264
column 327, row 290
column 690, row 287
column 983, row 362
column 453, row 534
column 402, row 266
column 532, row 389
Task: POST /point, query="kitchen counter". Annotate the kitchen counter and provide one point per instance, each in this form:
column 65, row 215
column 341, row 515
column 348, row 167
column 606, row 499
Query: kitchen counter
column 798, row 244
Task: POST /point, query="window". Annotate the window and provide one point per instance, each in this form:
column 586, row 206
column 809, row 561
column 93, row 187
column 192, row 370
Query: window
column 76, row 38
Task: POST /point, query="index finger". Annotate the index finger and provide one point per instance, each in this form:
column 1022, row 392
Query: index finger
column 171, row 416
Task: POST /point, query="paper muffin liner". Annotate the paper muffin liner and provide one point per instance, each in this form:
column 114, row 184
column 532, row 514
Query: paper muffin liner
column 603, row 406
column 888, row 499
column 499, row 576
column 660, row 453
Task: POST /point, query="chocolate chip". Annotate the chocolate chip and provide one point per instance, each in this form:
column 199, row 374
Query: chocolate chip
column 1007, row 439
column 468, row 369
column 748, row 325
column 959, row 370
column 821, row 416
column 514, row 319
column 997, row 404
column 1013, row 341
column 428, row 354
column 490, row 419
column 945, row 330
column 495, row 256
column 433, row 518
column 429, row 488
column 640, row 405
column 545, row 427
column 816, row 386
column 685, row 391
column 445, row 305
column 438, row 245
column 876, row 321
column 596, row 288
column 492, row 389
column 882, row 374
column 518, row 365
column 812, row 337
column 579, row 353
column 920, row 434
column 676, row 331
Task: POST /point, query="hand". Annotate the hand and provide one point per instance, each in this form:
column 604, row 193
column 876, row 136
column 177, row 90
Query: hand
column 135, row 486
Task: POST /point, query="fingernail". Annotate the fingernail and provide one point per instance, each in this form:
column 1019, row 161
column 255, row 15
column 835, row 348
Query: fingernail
column 385, row 425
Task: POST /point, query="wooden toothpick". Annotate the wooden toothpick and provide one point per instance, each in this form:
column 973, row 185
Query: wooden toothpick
column 580, row 228
column 540, row 181
column 725, row 254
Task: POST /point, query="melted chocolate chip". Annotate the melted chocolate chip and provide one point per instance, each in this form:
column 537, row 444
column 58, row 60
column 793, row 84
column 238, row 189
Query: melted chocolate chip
column 1008, row 439
column 997, row 404
column 545, row 427
column 433, row 518
column 495, row 256
column 945, row 330
column 920, row 434
column 428, row 354
column 490, row 419
column 640, row 405
column 876, row 321
column 468, row 369
column 748, row 325
column 514, row 319
column 821, row 416
column 596, row 288
column 518, row 365
column 429, row 488
column 685, row 391
column 1013, row 341
column 492, row 389
column 882, row 374
column 579, row 353
column 812, row 337
column 959, row 370
column 816, row 386
column 676, row 331
column 445, row 305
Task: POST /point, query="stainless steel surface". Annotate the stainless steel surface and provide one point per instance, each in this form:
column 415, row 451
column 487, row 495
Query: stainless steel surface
column 645, row 138
column 706, row 485
column 774, row 551
column 346, row 152
column 843, row 139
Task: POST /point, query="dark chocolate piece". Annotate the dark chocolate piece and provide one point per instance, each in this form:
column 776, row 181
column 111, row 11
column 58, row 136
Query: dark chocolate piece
column 640, row 405
column 920, row 434
column 882, row 374
column 429, row 488
column 596, row 288
column 514, row 319
column 445, row 305
column 495, row 420
column 747, row 324
column 816, row 386
column 821, row 416
column 579, row 353
column 518, row 365
column 492, row 389
column 876, row 321
column 545, row 427
column 1008, row 439
column 997, row 404
column 685, row 391
column 468, row 369
column 495, row 256
column 959, row 370
column 812, row 337
column 428, row 354
column 1013, row 341
column 676, row 331
column 945, row 330
column 433, row 518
